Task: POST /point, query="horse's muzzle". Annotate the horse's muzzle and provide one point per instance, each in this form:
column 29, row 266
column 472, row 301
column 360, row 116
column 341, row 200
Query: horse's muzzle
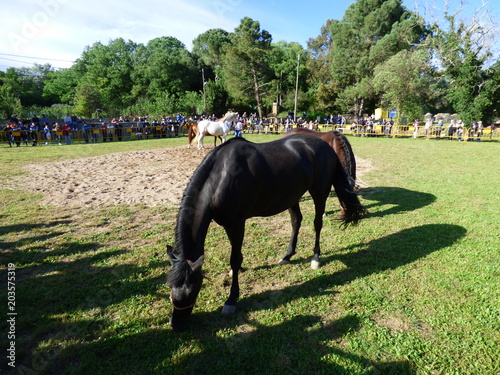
column 179, row 321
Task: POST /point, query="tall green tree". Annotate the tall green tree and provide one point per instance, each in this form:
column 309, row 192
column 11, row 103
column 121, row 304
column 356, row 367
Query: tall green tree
column 109, row 68
column 369, row 33
column 284, row 61
column 28, row 83
column 60, row 86
column 208, row 49
column 246, row 64
column 10, row 104
column 323, row 89
column 465, row 53
column 164, row 71
column 405, row 82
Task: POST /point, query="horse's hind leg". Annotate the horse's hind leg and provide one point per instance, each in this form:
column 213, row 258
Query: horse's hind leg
column 319, row 206
column 235, row 233
column 296, row 218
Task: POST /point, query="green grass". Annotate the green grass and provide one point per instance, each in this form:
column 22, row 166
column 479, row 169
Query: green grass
column 414, row 289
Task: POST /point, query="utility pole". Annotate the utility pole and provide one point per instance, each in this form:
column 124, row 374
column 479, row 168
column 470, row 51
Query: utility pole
column 204, row 93
column 296, row 88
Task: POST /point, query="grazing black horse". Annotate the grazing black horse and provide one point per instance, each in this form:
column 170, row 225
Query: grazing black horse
column 239, row 180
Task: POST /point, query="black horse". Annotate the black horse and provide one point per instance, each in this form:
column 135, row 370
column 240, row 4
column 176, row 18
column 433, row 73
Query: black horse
column 239, row 180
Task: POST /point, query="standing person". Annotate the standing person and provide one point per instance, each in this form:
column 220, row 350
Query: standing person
column 66, row 129
column 45, row 119
column 34, row 134
column 67, row 119
column 58, row 132
column 86, row 131
column 451, row 130
column 439, row 129
column 238, row 128
column 416, row 124
column 111, row 131
column 104, row 131
column 48, row 134
column 25, row 130
column 93, row 133
column 118, row 131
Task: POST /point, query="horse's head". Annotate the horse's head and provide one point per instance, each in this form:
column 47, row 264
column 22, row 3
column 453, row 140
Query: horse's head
column 185, row 279
column 231, row 116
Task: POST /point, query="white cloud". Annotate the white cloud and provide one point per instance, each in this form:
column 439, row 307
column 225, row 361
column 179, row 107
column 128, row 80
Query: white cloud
column 61, row 29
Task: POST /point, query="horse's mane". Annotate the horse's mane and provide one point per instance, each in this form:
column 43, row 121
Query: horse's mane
column 178, row 274
column 188, row 201
column 350, row 162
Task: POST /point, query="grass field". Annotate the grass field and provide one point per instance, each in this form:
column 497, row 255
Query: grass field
column 414, row 289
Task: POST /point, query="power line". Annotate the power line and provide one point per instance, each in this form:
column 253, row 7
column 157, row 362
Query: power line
column 22, row 62
column 32, row 57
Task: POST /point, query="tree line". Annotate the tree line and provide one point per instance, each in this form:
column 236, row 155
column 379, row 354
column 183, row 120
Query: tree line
column 380, row 54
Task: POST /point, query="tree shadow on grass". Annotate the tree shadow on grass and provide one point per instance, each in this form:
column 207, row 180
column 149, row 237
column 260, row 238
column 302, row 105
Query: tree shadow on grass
column 303, row 344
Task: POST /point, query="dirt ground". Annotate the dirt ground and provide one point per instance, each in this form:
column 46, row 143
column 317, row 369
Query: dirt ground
column 152, row 177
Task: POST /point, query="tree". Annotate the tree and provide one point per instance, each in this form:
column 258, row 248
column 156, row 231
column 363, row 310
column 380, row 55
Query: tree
column 109, row 68
column 60, row 86
column 464, row 51
column 284, row 61
column 405, row 82
column 10, row 105
column 164, row 69
column 369, row 33
column 246, row 69
column 208, row 49
column 28, row 83
column 87, row 100
column 319, row 79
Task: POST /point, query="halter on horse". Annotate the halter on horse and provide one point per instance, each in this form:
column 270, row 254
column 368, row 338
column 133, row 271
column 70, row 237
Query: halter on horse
column 217, row 128
column 272, row 177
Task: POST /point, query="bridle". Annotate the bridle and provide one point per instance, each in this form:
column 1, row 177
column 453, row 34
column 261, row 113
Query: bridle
column 179, row 308
column 172, row 300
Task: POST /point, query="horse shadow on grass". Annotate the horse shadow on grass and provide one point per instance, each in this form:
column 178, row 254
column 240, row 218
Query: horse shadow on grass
column 400, row 200
column 304, row 344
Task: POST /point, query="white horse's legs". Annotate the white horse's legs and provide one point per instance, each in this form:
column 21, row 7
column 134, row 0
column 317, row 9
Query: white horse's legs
column 200, row 141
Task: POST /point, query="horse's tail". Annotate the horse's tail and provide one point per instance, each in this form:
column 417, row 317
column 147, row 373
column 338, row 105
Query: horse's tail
column 349, row 159
column 352, row 209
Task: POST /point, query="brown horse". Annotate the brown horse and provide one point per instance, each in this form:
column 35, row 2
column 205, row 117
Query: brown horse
column 342, row 148
column 193, row 133
column 340, row 145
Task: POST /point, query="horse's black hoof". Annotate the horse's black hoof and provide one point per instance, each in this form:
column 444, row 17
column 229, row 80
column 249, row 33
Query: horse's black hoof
column 228, row 309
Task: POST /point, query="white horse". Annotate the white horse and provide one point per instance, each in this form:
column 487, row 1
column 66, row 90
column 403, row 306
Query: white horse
column 216, row 128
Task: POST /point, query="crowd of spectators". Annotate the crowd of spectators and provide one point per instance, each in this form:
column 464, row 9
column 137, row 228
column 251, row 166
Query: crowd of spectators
column 35, row 130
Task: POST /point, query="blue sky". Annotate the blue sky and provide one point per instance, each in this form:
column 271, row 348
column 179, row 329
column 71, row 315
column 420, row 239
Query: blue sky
column 57, row 31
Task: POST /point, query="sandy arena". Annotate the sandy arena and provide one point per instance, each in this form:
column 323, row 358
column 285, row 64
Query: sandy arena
column 151, row 177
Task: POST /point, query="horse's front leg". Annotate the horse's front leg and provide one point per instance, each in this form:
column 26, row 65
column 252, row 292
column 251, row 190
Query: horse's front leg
column 200, row 140
column 235, row 234
column 296, row 218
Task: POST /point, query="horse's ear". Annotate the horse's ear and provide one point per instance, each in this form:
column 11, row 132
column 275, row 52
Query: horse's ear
column 195, row 266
